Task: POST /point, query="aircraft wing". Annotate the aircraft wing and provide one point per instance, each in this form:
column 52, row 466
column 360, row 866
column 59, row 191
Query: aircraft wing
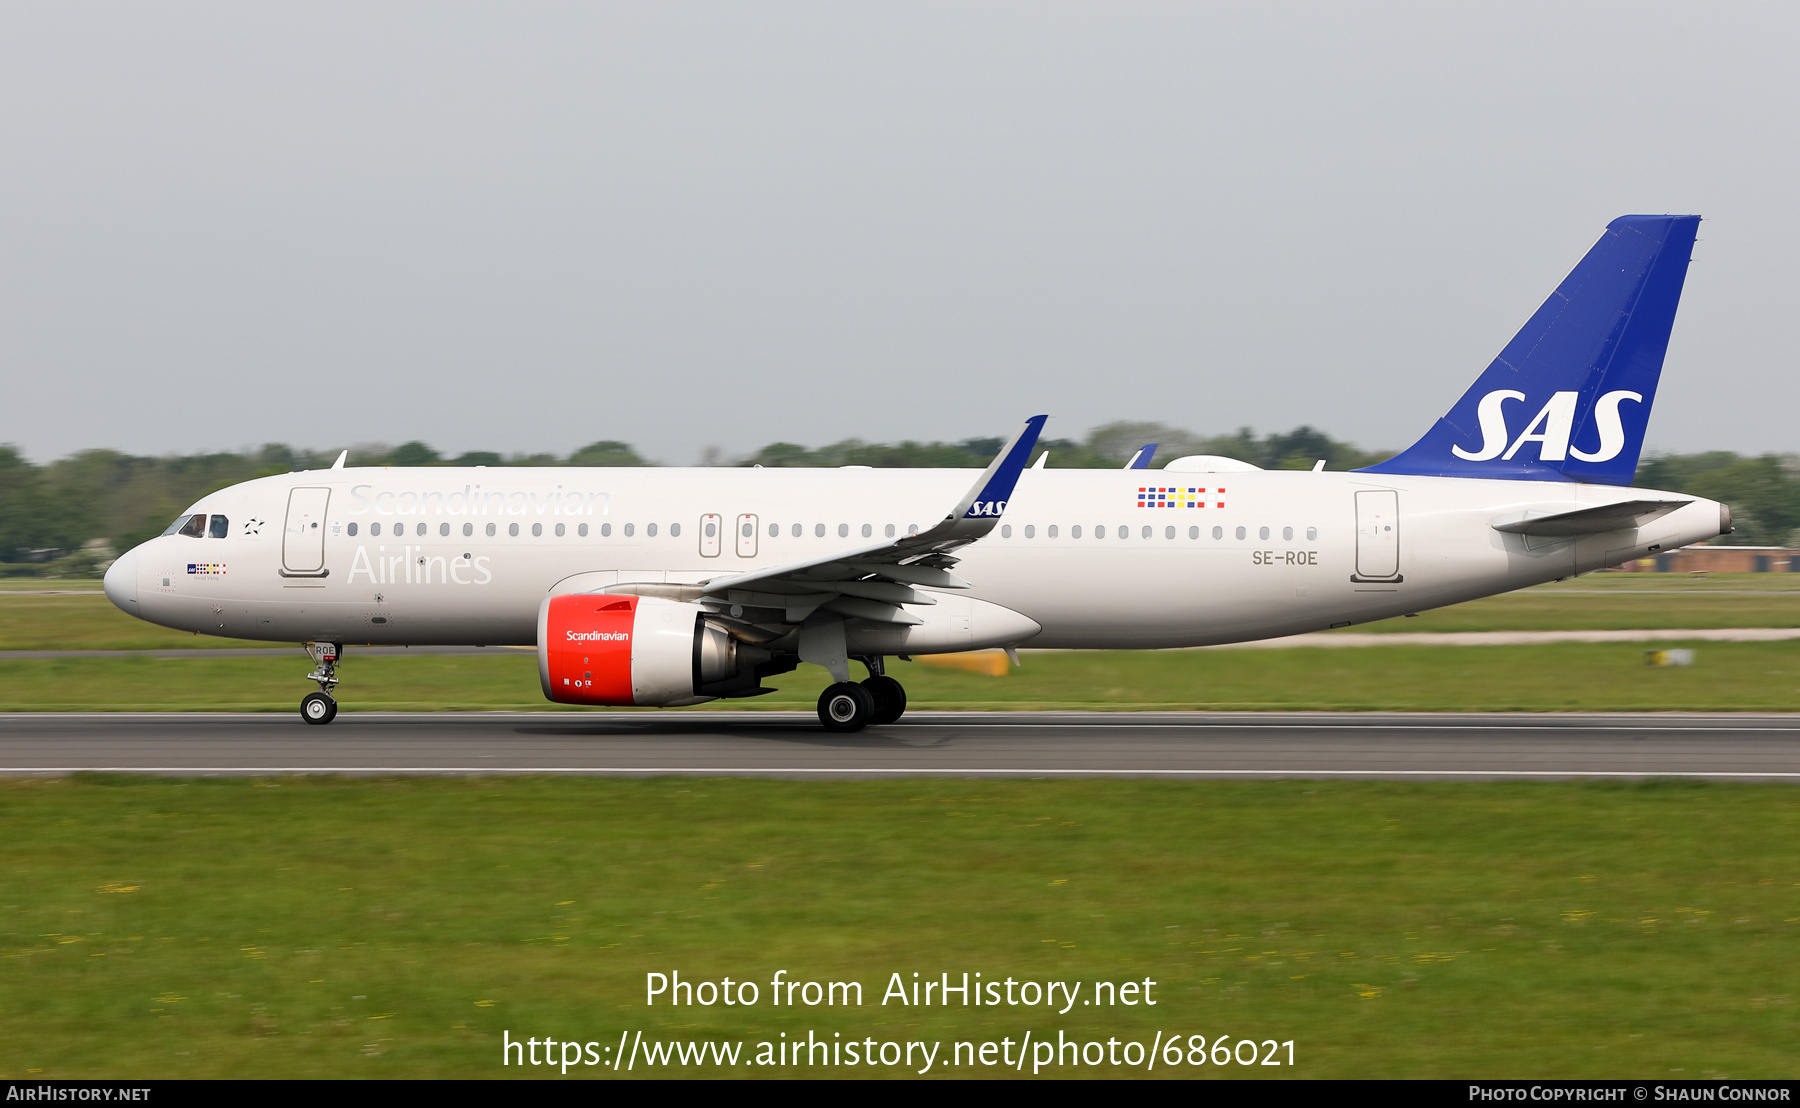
column 875, row 582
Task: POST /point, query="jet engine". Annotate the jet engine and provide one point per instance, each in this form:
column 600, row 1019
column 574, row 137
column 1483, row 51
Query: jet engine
column 598, row 648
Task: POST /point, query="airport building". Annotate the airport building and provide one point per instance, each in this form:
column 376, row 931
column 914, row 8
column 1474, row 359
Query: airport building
column 1719, row 559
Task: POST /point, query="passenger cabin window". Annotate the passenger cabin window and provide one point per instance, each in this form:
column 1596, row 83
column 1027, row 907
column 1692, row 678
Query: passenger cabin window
column 195, row 527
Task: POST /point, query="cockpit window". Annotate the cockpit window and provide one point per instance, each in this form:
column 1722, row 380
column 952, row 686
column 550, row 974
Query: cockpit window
column 175, row 526
column 220, row 527
column 194, row 527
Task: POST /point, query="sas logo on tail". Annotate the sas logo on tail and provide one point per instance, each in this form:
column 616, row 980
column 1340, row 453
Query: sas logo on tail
column 1550, row 428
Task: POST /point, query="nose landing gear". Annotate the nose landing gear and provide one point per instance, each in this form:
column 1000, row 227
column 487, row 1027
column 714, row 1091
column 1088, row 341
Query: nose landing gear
column 320, row 707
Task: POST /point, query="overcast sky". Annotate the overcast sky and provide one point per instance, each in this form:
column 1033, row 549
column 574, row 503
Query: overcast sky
column 527, row 227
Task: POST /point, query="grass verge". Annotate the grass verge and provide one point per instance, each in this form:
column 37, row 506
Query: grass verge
column 1553, row 677
column 341, row 927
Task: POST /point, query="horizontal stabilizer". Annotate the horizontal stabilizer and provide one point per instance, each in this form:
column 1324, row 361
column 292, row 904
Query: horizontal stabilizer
column 1593, row 521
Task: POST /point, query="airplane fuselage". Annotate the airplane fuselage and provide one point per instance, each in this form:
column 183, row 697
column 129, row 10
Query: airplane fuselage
column 1093, row 558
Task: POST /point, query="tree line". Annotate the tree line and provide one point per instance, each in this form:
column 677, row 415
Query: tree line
column 68, row 517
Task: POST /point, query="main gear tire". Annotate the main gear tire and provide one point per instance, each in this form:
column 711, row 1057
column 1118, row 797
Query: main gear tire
column 846, row 707
column 318, row 708
column 890, row 699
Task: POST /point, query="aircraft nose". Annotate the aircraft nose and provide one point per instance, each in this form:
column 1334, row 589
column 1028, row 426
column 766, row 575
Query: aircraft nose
column 121, row 583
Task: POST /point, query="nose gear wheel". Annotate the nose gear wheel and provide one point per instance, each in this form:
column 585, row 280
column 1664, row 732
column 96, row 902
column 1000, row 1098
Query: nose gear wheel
column 318, row 707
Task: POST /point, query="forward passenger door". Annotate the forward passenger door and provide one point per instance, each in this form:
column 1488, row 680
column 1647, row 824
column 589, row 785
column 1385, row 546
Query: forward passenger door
column 303, row 539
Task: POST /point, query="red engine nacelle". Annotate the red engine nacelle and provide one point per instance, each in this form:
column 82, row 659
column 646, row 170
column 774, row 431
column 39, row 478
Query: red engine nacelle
column 595, row 648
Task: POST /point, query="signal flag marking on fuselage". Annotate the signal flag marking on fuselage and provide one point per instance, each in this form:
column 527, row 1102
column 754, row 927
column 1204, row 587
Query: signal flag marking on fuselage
column 1151, row 496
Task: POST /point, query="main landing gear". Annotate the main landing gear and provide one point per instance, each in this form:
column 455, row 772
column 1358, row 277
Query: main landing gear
column 320, row 707
column 848, row 706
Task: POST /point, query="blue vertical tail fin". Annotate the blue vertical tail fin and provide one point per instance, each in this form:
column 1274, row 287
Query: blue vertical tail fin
column 1569, row 398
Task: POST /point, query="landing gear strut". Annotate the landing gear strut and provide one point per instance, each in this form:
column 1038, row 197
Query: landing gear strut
column 320, row 707
column 848, row 706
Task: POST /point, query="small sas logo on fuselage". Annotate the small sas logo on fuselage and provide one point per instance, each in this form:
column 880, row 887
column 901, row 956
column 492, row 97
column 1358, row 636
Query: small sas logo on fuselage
column 206, row 569
column 1174, row 497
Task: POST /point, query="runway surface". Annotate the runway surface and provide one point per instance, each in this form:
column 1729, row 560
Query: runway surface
column 1015, row 744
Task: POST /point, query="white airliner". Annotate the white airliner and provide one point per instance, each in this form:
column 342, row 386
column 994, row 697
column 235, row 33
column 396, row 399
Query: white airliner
column 677, row 586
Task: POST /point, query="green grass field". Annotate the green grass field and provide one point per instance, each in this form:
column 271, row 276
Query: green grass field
column 1552, row 677
column 341, row 927
column 88, row 621
column 1617, row 602
column 390, row 928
